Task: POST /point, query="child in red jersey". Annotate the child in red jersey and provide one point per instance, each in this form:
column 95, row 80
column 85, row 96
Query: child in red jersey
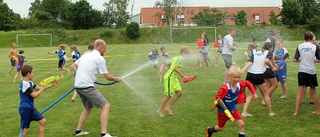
column 232, row 93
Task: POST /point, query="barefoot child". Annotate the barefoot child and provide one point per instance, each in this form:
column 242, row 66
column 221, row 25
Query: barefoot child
column 232, row 93
column 171, row 81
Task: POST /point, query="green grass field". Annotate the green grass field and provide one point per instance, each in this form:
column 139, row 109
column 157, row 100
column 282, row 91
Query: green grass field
column 134, row 105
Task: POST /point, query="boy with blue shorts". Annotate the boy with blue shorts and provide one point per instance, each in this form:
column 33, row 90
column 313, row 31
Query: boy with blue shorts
column 27, row 110
column 171, row 82
column 281, row 57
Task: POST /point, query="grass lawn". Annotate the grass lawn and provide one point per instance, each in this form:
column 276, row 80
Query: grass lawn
column 134, row 102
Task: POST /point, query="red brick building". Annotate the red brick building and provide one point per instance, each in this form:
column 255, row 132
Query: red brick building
column 156, row 17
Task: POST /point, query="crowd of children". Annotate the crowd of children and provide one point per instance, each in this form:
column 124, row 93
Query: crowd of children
column 265, row 69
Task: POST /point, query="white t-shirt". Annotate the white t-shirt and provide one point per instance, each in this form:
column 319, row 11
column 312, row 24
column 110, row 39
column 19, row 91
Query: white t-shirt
column 227, row 41
column 89, row 66
column 258, row 62
column 306, row 52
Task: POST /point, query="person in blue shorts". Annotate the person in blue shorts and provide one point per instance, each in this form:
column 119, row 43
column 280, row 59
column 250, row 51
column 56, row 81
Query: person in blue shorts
column 281, row 57
column 27, row 110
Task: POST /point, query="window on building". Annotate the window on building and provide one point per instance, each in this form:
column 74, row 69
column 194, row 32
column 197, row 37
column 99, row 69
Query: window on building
column 231, row 18
column 257, row 17
column 163, row 17
column 180, row 17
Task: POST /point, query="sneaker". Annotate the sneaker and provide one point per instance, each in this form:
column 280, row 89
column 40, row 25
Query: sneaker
column 303, row 103
column 77, row 133
column 107, row 135
column 246, row 115
column 207, row 132
column 312, row 103
column 272, row 114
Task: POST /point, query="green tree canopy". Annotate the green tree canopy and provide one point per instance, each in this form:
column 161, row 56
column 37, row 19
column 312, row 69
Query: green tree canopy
column 210, row 17
column 241, row 18
column 291, row 13
column 8, row 19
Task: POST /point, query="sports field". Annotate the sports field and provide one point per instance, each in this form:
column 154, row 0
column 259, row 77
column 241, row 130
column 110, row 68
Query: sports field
column 135, row 101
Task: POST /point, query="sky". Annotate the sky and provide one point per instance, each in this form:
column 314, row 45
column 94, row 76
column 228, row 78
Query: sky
column 22, row 6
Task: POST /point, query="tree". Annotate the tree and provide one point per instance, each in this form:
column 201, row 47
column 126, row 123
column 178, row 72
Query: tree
column 133, row 30
column 115, row 13
column 291, row 13
column 57, row 8
column 273, row 18
column 81, row 15
column 241, row 18
column 9, row 19
column 314, row 23
column 168, row 6
column 34, row 6
column 309, row 9
column 210, row 17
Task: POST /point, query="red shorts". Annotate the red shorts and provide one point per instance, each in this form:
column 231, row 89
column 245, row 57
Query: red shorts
column 223, row 118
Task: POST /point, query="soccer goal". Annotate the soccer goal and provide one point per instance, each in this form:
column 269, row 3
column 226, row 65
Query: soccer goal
column 191, row 34
column 35, row 40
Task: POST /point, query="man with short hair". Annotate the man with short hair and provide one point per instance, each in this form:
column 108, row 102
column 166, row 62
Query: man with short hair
column 228, row 48
column 87, row 68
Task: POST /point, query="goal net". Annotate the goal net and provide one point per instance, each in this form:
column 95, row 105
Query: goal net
column 33, row 40
column 191, row 34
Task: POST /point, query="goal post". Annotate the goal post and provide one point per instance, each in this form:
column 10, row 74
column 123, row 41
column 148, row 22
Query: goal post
column 192, row 34
column 35, row 37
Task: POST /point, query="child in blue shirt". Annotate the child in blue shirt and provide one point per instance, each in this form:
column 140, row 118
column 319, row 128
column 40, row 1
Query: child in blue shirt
column 62, row 58
column 27, row 110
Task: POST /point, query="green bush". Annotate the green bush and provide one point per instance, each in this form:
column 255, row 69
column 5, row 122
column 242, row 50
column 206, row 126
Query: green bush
column 133, row 30
column 314, row 23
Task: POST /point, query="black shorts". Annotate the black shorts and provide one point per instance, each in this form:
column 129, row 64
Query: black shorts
column 269, row 74
column 13, row 62
column 308, row 80
column 255, row 79
column 61, row 63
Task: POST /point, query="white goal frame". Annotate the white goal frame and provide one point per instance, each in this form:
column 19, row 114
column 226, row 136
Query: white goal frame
column 190, row 28
column 20, row 35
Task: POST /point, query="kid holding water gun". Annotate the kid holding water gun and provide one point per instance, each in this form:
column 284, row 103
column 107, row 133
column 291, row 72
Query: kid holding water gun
column 12, row 55
column 62, row 58
column 171, row 82
column 27, row 110
column 231, row 93
column 21, row 60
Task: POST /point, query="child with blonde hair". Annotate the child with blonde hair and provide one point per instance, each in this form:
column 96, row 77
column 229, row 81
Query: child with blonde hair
column 231, row 93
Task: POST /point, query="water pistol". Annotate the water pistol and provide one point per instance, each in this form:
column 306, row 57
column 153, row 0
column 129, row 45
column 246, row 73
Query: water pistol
column 51, row 80
column 191, row 79
column 224, row 107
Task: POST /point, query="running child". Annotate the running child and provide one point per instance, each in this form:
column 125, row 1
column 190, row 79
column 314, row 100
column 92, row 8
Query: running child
column 164, row 58
column 75, row 56
column 232, row 93
column 62, row 58
column 171, row 82
column 219, row 51
column 281, row 57
column 256, row 66
column 12, row 55
column 21, row 60
column 27, row 110
column 153, row 57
